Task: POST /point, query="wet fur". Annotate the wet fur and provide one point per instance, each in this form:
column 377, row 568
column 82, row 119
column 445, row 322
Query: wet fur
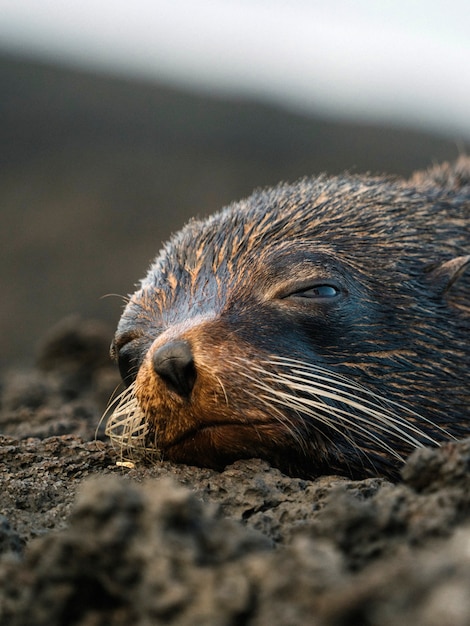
column 350, row 386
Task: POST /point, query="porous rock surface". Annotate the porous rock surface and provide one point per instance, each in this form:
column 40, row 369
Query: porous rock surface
column 86, row 540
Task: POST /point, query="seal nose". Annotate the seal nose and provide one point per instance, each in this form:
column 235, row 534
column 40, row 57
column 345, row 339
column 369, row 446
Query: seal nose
column 174, row 363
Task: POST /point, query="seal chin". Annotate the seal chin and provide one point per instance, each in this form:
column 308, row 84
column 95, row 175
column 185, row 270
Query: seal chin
column 219, row 444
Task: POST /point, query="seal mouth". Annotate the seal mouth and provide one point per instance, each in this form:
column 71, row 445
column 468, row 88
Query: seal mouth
column 216, row 428
column 135, row 435
column 221, row 443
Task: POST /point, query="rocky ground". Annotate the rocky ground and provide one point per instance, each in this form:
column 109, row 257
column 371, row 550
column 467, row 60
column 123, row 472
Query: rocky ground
column 86, row 540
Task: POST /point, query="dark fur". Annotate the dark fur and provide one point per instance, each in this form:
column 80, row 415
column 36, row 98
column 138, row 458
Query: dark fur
column 399, row 328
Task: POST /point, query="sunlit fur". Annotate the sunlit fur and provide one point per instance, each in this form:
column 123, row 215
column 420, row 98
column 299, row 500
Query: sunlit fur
column 347, row 386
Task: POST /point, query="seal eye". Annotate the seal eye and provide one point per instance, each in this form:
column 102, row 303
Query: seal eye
column 317, row 292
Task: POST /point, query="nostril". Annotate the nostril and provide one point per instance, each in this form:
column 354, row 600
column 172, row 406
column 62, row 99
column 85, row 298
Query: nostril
column 129, row 359
column 174, row 363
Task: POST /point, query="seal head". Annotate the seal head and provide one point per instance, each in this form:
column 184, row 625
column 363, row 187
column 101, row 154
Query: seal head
column 322, row 326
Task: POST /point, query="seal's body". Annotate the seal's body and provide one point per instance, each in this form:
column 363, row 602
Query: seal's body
column 322, row 326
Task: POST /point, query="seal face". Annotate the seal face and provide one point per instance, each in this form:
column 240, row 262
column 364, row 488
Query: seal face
column 322, row 326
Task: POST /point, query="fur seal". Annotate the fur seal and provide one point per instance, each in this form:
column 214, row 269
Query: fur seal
column 321, row 325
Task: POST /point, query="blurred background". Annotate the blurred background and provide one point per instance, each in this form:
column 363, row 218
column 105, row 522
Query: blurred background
column 120, row 120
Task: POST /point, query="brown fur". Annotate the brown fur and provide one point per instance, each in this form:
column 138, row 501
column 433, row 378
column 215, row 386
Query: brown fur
column 327, row 324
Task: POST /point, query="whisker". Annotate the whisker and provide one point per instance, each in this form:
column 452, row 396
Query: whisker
column 308, row 387
column 306, row 406
column 111, row 402
column 281, row 418
column 295, row 403
column 387, row 418
column 127, row 426
column 311, row 370
column 223, row 389
column 125, row 299
column 380, row 413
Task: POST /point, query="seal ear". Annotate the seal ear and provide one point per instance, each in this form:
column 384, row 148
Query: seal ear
column 445, row 274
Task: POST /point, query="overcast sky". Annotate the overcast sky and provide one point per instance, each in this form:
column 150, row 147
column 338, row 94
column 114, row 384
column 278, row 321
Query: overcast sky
column 383, row 60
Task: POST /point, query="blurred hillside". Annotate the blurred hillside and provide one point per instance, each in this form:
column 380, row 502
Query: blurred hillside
column 97, row 171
